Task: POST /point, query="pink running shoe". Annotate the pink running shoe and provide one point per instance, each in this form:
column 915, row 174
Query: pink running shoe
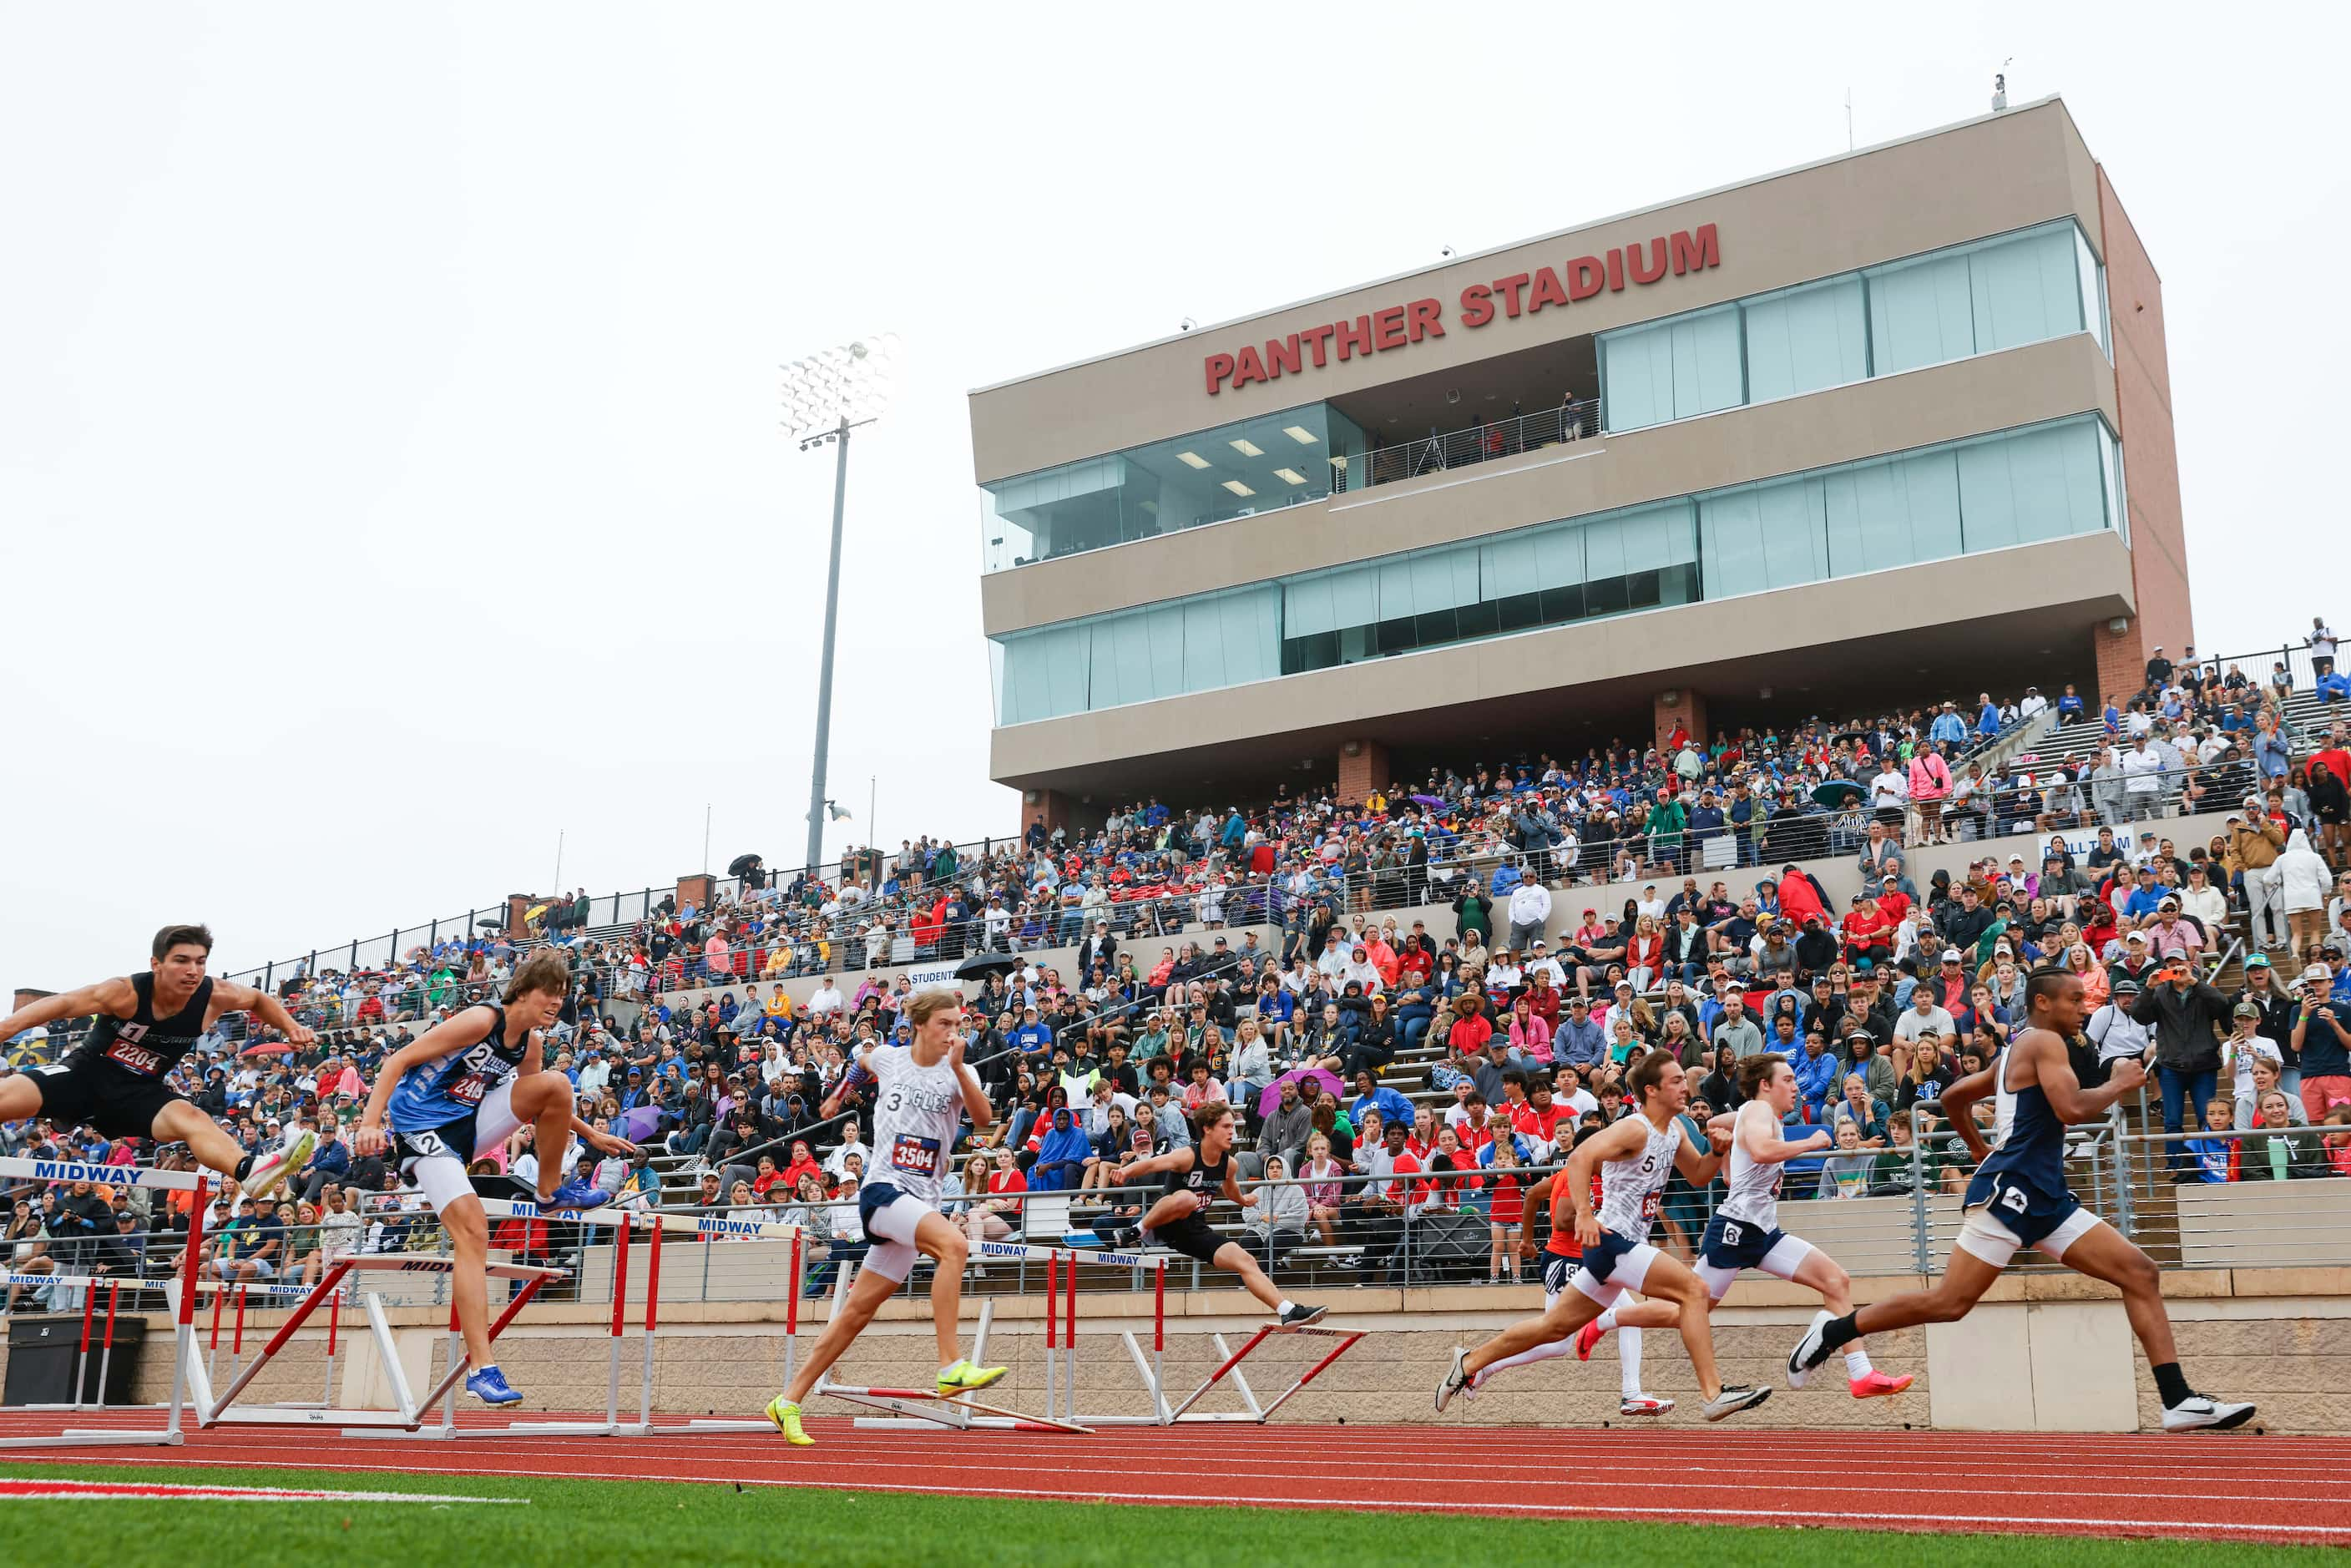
column 1586, row 1338
column 1877, row 1383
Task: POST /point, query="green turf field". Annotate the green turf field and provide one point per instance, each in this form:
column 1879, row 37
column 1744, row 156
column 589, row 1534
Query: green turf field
column 673, row 1524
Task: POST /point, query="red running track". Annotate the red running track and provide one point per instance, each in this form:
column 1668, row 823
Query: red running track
column 2201, row 1486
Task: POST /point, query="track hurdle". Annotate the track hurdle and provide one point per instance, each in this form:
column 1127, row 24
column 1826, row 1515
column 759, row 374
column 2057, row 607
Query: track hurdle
column 1151, row 1369
column 199, row 1184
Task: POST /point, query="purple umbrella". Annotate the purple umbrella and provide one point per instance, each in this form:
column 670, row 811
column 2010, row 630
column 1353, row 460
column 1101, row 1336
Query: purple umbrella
column 1433, row 802
column 1311, row 1081
column 637, row 1126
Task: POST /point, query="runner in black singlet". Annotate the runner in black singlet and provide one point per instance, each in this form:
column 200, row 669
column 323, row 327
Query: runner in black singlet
column 1192, row 1180
column 115, row 1078
column 2020, row 1198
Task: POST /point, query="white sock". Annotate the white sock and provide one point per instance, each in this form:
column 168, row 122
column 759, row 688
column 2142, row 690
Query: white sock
column 1557, row 1347
column 1285, row 1305
column 947, row 1367
column 1606, row 1322
column 1857, row 1362
column 1628, row 1357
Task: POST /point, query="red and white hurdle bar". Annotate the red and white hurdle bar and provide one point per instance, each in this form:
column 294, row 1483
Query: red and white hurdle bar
column 1150, row 1368
column 200, row 1185
column 102, row 1330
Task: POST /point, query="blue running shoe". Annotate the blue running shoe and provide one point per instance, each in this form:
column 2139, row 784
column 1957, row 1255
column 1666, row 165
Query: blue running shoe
column 577, row 1195
column 489, row 1387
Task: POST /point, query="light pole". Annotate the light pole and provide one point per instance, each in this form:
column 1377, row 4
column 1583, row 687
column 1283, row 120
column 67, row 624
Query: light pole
column 827, row 395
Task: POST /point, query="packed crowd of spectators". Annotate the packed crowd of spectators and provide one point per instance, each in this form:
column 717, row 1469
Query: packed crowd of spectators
column 1414, row 1064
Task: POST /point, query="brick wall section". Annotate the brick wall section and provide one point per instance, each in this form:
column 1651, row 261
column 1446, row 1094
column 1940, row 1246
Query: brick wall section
column 1363, row 771
column 1688, row 710
column 2150, row 456
column 2121, row 666
column 1050, row 808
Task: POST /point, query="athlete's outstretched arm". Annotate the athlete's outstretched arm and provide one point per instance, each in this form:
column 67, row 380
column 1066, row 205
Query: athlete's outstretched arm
column 860, row 1071
column 114, row 998
column 1959, row 1100
column 2071, row 1103
column 235, row 998
column 469, row 1029
column 1173, row 1160
column 1698, row 1169
column 1761, row 1140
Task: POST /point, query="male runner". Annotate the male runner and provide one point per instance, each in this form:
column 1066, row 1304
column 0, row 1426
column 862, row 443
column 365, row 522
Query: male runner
column 487, row 1083
column 1562, row 1255
column 2018, row 1199
column 1192, row 1180
column 1634, row 1159
column 114, row 1080
column 1745, row 1231
column 922, row 1092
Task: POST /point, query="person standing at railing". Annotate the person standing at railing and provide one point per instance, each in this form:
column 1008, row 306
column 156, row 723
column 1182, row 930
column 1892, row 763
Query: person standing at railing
column 2183, row 1012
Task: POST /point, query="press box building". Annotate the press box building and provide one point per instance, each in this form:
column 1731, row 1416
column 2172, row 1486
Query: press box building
column 1893, row 424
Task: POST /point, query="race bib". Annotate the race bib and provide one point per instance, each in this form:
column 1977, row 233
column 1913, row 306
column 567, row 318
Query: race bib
column 137, row 1058
column 915, row 1156
column 468, row 1089
column 1650, row 1205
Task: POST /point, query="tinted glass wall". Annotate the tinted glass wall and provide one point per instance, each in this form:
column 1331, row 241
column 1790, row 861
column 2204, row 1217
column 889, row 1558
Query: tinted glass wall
column 2024, row 287
column 2018, row 487
column 1236, row 470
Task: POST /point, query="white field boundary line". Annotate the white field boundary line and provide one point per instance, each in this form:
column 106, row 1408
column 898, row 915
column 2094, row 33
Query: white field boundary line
column 18, row 1489
column 2026, row 1524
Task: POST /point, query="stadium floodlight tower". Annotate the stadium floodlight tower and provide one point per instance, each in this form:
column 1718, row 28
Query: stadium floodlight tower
column 827, row 395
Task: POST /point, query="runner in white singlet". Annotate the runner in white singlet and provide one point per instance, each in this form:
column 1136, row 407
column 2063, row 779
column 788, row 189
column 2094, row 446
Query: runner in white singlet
column 922, row 1092
column 1745, row 1231
column 1634, row 1159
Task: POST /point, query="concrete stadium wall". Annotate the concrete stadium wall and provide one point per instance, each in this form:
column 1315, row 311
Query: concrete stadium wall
column 2044, row 1351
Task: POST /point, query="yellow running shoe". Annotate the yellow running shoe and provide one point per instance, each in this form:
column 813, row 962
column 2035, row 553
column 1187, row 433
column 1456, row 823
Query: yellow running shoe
column 963, row 1377
column 786, row 1417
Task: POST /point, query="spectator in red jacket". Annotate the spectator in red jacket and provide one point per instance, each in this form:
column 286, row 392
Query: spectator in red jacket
column 1800, row 895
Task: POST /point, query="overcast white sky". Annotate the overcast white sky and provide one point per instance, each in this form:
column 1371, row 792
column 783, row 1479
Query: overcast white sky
column 389, row 473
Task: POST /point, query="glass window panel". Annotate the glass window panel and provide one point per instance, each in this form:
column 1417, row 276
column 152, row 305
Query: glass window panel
column 1986, row 496
column 1731, row 539
column 1437, row 581
column 1794, row 535
column 1251, row 631
column 1103, row 688
column 1395, row 589
column 1204, row 645
column 1559, row 559
column 1306, row 608
column 1921, row 313
column 2025, row 289
column 1638, row 386
column 1354, row 597
column 1709, row 372
column 2117, row 499
column 1806, row 339
column 1164, row 626
column 1505, row 565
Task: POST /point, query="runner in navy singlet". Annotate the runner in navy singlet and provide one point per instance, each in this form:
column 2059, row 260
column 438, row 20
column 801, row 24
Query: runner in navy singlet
column 2018, row 1199
column 1191, row 1179
column 115, row 1078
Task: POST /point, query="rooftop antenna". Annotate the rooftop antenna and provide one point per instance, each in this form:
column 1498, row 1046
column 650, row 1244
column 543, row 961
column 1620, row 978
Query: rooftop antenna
column 1999, row 86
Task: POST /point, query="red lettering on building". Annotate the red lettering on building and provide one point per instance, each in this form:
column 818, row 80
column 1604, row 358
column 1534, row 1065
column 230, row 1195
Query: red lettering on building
column 1636, row 263
column 1693, row 253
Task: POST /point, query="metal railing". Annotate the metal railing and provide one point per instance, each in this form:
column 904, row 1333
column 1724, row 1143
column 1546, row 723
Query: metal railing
column 1439, row 452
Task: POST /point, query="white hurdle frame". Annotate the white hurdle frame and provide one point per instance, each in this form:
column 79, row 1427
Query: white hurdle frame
column 199, row 1182
column 1150, row 1368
